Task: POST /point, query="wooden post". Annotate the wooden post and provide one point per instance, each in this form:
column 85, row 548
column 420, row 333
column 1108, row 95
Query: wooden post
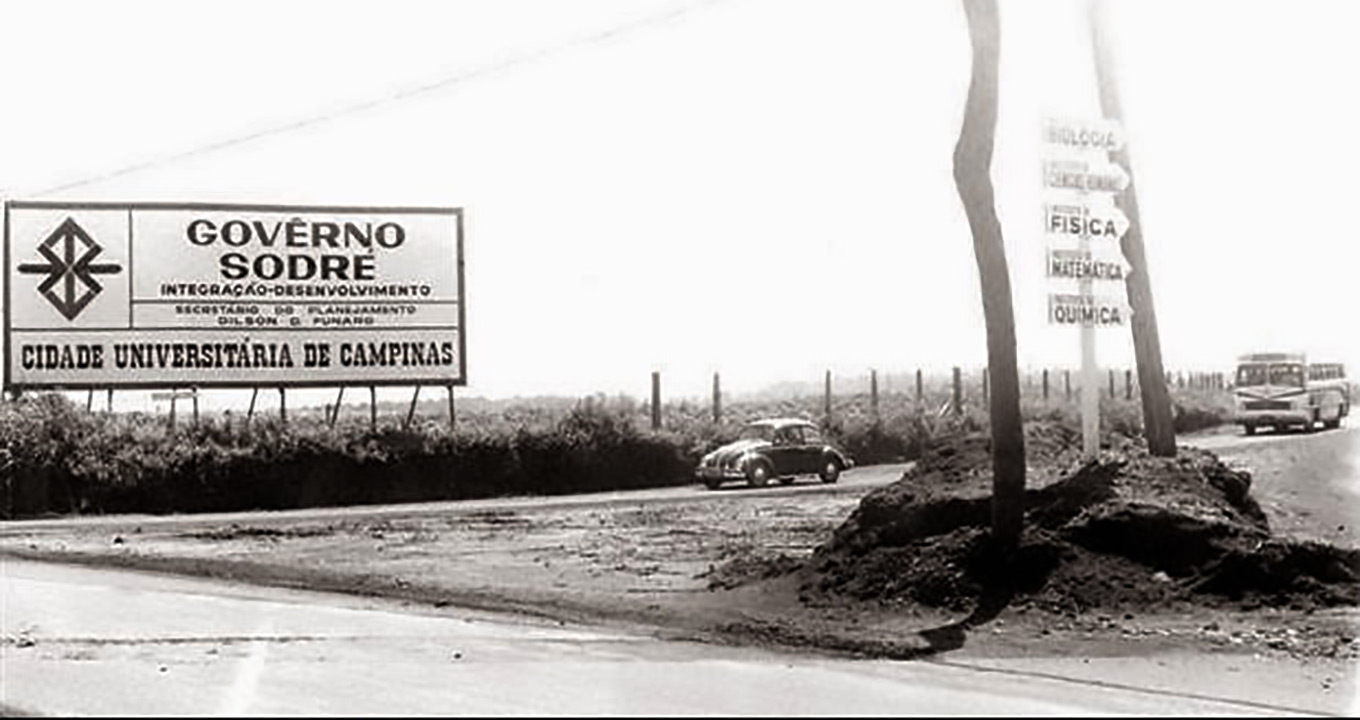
column 335, row 412
column 110, row 403
column 372, row 408
column 89, row 400
column 920, row 394
column 1111, row 383
column 826, row 399
column 717, row 399
column 1067, row 385
column 958, row 391
column 986, row 391
column 195, row 399
column 411, row 411
column 873, row 393
column 173, row 393
column 1128, row 384
column 250, row 412
column 656, row 400
column 283, row 405
column 1045, row 384
column 1147, row 347
column 452, row 415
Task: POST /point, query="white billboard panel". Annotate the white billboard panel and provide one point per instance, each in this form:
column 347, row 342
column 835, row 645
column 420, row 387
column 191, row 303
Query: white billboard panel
column 232, row 295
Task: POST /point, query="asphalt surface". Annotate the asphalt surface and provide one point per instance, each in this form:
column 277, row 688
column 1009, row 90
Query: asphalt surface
column 81, row 641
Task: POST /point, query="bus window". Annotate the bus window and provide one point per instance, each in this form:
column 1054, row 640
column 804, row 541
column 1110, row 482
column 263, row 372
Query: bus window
column 1251, row 375
column 1290, row 375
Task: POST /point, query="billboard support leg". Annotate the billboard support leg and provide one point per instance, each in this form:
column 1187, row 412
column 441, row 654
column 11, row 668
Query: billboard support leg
column 195, row 397
column 110, row 404
column 283, row 405
column 172, row 410
column 89, row 400
column 411, row 411
column 250, row 412
column 372, row 409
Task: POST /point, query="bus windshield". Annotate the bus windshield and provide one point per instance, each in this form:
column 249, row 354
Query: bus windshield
column 1289, row 374
column 1253, row 375
column 1257, row 374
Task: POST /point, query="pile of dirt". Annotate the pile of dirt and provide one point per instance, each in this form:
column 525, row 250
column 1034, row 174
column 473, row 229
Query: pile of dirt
column 1124, row 531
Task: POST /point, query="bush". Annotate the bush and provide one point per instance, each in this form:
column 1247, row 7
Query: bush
column 54, row 457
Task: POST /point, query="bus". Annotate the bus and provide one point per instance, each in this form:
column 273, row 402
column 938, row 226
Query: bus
column 1282, row 390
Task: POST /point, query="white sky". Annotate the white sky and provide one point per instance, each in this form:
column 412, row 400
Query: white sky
column 758, row 187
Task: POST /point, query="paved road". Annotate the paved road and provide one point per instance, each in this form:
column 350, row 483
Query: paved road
column 84, row 641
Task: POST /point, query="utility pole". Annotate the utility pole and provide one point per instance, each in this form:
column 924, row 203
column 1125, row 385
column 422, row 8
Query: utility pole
column 972, row 175
column 1147, row 347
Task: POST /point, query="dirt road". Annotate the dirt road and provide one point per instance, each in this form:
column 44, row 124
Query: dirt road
column 85, row 641
column 1308, row 483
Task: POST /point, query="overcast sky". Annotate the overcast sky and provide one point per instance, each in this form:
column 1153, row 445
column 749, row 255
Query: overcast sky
column 758, row 187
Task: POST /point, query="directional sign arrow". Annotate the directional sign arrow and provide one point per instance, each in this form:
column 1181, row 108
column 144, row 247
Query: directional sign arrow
column 1069, row 264
column 1085, row 176
column 1077, row 219
column 1097, row 134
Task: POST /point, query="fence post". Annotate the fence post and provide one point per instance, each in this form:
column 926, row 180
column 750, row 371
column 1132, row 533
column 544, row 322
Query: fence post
column 826, row 396
column 411, row 411
column 1045, row 384
column 958, row 391
column 452, row 416
column 717, row 399
column 1128, row 384
column 656, row 400
column 335, row 413
column 873, row 393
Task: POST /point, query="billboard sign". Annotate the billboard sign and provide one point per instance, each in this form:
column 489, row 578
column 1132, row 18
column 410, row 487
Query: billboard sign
column 212, row 295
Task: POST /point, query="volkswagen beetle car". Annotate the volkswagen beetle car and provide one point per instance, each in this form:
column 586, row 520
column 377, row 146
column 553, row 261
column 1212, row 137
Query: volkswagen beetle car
column 775, row 448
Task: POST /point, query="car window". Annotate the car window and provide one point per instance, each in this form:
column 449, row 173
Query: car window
column 812, row 436
column 788, row 436
column 756, row 432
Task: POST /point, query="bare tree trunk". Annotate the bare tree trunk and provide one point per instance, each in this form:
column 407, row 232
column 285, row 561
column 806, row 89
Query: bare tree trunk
column 1158, row 426
column 972, row 175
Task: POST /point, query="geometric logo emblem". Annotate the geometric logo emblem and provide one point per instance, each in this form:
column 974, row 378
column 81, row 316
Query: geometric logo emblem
column 70, row 254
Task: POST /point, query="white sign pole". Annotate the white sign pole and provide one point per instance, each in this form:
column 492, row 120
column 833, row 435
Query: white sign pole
column 1090, row 375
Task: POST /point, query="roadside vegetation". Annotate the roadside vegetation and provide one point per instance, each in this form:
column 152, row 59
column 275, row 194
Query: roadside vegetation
column 56, row 457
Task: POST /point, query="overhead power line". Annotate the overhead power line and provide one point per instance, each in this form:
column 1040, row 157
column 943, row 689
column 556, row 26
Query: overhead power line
column 497, row 66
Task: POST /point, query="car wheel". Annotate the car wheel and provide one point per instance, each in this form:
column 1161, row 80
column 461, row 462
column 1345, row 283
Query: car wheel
column 759, row 474
column 712, row 483
column 831, row 471
column 1249, row 429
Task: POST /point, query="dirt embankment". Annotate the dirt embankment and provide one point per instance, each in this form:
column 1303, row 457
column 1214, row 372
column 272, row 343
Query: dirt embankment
column 1126, row 531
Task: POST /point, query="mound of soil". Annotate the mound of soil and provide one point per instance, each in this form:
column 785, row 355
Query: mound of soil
column 1123, row 531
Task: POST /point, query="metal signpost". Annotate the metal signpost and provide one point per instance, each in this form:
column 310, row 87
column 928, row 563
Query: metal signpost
column 117, row 295
column 1083, row 228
